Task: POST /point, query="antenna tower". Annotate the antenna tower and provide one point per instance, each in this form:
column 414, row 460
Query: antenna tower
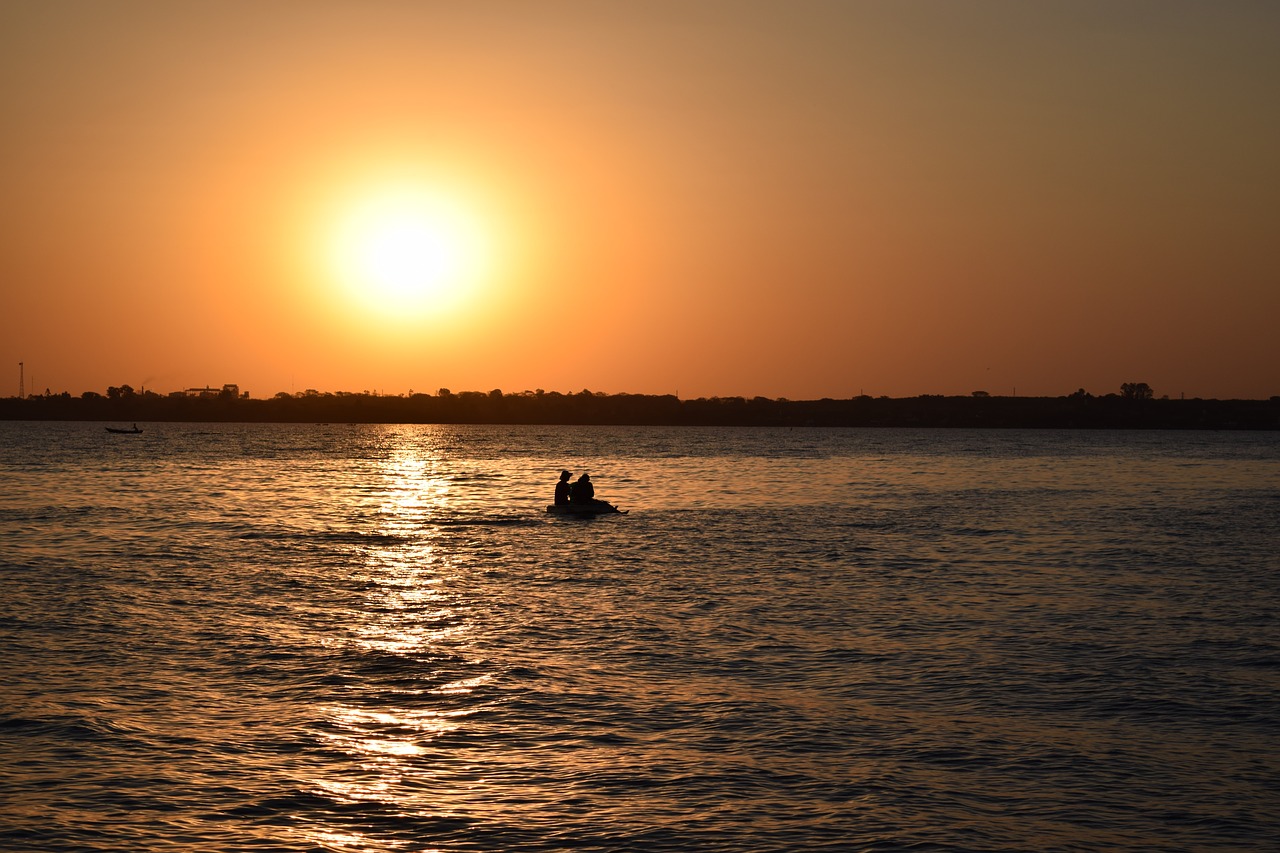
column 22, row 382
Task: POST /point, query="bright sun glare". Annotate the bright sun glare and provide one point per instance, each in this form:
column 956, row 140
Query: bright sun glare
column 408, row 251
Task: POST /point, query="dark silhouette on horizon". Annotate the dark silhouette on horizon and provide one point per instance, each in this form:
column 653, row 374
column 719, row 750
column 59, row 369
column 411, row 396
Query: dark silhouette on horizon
column 1135, row 407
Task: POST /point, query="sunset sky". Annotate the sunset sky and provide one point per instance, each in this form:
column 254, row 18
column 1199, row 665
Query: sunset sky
column 787, row 199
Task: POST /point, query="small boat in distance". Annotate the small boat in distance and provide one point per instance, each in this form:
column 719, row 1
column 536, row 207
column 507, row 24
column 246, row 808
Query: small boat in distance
column 119, row 431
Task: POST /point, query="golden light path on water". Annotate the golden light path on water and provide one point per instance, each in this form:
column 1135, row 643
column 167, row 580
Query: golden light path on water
column 406, row 615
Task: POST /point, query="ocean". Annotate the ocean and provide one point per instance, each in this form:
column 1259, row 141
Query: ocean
column 330, row 637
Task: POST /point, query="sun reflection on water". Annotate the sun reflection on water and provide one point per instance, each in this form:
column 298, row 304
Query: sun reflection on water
column 389, row 732
column 404, row 642
column 414, row 492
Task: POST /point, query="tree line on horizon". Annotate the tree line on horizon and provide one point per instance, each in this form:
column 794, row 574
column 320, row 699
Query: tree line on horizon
column 1135, row 406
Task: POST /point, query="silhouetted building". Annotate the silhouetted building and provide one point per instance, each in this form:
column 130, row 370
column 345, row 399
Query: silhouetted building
column 229, row 390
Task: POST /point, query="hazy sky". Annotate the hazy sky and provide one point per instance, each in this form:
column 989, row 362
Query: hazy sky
column 787, row 199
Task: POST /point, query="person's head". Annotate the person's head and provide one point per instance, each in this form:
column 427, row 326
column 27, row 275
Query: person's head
column 564, row 475
column 585, row 477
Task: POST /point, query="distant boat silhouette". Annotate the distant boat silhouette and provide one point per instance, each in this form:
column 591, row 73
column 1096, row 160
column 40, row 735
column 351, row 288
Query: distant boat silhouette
column 133, row 431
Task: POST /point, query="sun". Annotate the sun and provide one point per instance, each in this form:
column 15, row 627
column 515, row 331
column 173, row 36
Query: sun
column 408, row 251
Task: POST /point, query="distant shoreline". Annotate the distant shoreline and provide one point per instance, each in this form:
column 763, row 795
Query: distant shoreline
column 1077, row 411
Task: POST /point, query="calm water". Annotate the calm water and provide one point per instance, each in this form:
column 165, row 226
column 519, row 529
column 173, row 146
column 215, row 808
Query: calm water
column 372, row 638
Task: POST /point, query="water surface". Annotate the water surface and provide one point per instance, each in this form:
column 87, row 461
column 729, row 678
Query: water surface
column 372, row 638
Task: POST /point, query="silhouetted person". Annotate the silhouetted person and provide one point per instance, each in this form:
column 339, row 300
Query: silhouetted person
column 563, row 488
column 582, row 491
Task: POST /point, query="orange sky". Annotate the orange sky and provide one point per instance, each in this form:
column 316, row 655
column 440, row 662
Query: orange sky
column 787, row 199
